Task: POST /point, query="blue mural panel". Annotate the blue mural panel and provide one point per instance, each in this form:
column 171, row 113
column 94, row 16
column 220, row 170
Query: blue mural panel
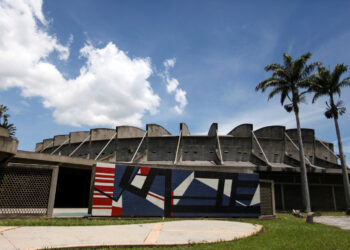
column 144, row 191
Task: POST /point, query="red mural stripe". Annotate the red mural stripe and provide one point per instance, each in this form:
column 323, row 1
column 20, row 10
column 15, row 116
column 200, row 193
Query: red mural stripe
column 102, row 180
column 105, row 170
column 104, row 188
column 101, row 207
column 172, row 203
column 157, row 197
column 102, row 201
column 117, row 211
column 145, row 170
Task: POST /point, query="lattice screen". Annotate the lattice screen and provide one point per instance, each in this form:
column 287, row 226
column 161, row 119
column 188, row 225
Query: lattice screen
column 24, row 190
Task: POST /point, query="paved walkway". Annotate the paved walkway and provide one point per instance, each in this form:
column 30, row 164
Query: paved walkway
column 166, row 233
column 339, row 221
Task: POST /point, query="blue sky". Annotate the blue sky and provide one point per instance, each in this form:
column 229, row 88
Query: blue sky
column 75, row 65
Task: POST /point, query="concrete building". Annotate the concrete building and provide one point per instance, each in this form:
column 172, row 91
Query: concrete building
column 270, row 151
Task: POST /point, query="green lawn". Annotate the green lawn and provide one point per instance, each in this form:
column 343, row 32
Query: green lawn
column 286, row 232
column 75, row 221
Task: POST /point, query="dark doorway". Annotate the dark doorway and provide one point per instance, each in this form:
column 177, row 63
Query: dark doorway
column 73, row 188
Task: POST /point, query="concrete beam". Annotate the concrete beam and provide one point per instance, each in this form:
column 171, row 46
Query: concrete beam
column 4, row 132
column 77, row 137
column 243, row 130
column 39, row 158
column 47, row 143
column 184, row 129
column 129, row 132
column 101, row 134
column 154, row 130
column 8, row 147
column 38, row 147
column 213, row 130
column 59, row 139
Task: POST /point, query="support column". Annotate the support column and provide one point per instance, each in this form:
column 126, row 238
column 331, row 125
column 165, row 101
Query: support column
column 282, row 197
column 52, row 196
column 334, row 200
column 92, row 181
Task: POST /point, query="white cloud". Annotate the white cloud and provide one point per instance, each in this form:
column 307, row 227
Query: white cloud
column 173, row 86
column 112, row 88
column 169, row 63
column 180, row 97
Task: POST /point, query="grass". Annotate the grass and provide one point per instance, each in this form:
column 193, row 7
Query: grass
column 75, row 221
column 287, row 232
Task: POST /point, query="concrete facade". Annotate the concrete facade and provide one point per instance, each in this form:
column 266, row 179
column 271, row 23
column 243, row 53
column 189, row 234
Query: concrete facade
column 265, row 146
column 270, row 151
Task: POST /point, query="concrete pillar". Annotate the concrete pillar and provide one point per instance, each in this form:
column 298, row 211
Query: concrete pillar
column 54, row 177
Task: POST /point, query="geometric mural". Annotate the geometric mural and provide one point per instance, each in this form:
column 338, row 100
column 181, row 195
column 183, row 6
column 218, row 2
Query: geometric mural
column 121, row 190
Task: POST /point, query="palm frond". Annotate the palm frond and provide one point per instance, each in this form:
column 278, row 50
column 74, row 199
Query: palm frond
column 344, row 83
column 4, row 120
column 270, row 82
column 339, row 69
column 276, row 91
column 273, row 66
column 316, row 96
column 288, row 107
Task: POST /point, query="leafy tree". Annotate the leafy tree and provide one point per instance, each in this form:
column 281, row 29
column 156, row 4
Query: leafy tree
column 4, row 123
column 327, row 83
column 287, row 80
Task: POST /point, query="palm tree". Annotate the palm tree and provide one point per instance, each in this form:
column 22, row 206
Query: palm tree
column 327, row 83
column 286, row 80
column 4, row 123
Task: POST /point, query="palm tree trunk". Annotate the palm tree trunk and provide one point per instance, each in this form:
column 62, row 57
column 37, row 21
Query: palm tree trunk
column 344, row 167
column 303, row 172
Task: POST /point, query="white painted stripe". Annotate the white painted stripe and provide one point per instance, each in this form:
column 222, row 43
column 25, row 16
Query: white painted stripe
column 118, row 203
column 108, row 192
column 138, row 181
column 100, row 196
column 104, row 178
column 213, row 183
column 105, row 165
column 104, row 184
column 159, row 203
column 107, row 174
column 256, row 198
column 181, row 189
column 244, row 205
column 103, row 206
column 101, row 212
column 228, row 187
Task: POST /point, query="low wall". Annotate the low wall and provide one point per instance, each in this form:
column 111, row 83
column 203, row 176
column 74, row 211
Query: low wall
column 121, row 190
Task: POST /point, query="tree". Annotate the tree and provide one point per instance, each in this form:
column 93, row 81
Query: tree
column 287, row 80
column 327, row 83
column 4, row 123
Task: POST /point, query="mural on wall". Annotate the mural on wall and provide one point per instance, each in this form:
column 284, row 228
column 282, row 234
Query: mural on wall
column 121, row 190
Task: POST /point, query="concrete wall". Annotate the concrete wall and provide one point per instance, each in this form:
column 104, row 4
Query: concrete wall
column 158, row 145
column 308, row 137
column 324, row 154
column 272, row 141
column 102, row 134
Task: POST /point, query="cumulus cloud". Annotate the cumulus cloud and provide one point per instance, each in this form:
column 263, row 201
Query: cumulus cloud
column 112, row 88
column 173, row 87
